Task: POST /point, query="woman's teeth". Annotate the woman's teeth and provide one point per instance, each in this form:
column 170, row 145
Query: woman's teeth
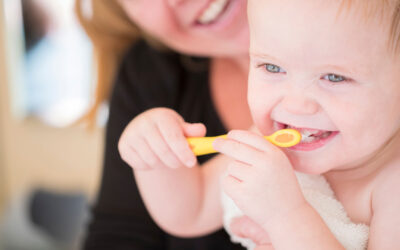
column 213, row 11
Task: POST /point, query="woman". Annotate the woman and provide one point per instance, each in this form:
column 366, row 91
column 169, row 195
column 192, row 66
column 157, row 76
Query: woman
column 205, row 82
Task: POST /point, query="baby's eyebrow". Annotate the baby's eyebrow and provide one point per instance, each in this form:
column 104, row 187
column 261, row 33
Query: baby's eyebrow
column 262, row 55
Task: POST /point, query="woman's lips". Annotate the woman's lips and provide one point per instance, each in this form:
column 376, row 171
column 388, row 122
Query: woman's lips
column 225, row 18
column 212, row 12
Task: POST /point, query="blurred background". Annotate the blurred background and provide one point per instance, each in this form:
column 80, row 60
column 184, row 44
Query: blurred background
column 49, row 167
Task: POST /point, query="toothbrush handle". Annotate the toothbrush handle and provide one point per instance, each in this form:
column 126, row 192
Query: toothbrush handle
column 203, row 145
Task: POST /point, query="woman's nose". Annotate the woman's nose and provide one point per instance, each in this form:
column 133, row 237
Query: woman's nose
column 300, row 105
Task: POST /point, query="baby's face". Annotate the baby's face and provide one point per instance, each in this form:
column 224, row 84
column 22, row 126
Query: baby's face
column 332, row 76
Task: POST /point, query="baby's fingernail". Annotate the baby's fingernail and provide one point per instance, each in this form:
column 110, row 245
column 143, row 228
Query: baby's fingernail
column 231, row 133
column 190, row 163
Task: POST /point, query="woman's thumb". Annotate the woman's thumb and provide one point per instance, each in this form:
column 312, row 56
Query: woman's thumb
column 194, row 129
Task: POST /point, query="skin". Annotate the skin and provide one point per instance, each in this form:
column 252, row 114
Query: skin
column 363, row 110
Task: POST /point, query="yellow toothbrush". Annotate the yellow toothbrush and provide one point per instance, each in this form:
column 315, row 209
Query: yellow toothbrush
column 282, row 138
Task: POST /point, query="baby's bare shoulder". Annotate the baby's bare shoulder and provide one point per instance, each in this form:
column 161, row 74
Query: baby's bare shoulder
column 387, row 187
column 384, row 226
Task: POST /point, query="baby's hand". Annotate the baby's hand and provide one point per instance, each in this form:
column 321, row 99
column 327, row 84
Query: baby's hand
column 156, row 139
column 244, row 227
column 261, row 181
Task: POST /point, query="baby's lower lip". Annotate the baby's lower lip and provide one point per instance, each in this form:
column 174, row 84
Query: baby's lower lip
column 309, row 146
column 314, row 144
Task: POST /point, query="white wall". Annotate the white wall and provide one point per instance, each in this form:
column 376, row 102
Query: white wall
column 33, row 154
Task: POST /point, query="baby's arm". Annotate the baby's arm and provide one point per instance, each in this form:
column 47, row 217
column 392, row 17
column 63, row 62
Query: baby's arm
column 385, row 224
column 182, row 199
column 263, row 185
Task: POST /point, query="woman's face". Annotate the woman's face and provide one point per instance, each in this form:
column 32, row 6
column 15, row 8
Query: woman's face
column 198, row 27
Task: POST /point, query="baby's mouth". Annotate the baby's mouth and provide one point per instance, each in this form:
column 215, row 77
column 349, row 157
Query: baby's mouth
column 308, row 135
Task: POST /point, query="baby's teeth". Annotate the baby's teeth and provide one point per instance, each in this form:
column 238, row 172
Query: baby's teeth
column 306, row 133
column 307, row 139
column 326, row 134
column 213, row 11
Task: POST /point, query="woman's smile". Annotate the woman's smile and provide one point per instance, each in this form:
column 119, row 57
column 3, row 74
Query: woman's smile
column 220, row 15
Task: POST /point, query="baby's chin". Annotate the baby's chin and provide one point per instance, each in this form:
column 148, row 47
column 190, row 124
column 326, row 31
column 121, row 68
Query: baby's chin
column 309, row 166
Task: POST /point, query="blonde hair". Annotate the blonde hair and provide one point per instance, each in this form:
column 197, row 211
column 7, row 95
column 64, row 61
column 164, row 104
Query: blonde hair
column 111, row 33
column 380, row 8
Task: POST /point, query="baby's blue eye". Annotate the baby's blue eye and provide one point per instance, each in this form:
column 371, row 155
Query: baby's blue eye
column 335, row 78
column 273, row 68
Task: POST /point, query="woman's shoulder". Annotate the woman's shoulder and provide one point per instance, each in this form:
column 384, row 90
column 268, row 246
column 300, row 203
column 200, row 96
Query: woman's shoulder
column 150, row 77
column 147, row 62
column 146, row 75
column 146, row 59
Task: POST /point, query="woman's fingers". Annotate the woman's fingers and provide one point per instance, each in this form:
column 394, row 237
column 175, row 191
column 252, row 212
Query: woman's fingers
column 172, row 131
column 194, row 129
column 146, row 153
column 158, row 138
column 132, row 158
column 160, row 147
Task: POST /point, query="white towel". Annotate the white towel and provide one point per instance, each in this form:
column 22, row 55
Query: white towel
column 318, row 193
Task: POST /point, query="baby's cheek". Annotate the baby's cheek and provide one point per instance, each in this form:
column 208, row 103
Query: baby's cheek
column 260, row 112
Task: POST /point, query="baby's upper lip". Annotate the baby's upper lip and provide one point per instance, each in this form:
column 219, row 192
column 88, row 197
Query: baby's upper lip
column 311, row 129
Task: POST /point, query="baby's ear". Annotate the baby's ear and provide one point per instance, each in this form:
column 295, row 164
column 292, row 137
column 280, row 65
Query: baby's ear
column 194, row 129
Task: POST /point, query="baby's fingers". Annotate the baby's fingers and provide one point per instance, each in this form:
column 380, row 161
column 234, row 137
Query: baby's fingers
column 253, row 139
column 238, row 150
column 246, row 228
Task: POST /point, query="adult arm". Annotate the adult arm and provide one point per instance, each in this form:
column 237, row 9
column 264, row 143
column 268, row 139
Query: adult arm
column 119, row 217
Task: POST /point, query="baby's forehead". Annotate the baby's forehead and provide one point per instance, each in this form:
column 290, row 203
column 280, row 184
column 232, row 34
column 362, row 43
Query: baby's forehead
column 384, row 14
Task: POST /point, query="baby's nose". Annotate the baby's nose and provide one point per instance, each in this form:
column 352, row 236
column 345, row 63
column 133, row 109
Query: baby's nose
column 300, row 105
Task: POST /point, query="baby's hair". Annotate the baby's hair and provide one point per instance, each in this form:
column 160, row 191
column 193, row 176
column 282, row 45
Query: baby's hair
column 383, row 9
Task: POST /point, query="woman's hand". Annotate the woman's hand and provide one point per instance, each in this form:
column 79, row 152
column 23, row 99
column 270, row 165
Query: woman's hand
column 261, row 180
column 156, row 139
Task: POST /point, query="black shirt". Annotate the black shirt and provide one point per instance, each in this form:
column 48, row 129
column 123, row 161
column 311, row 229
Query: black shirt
column 149, row 78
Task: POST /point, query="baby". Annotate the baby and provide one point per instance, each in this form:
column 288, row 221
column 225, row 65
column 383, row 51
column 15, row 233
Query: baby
column 329, row 69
